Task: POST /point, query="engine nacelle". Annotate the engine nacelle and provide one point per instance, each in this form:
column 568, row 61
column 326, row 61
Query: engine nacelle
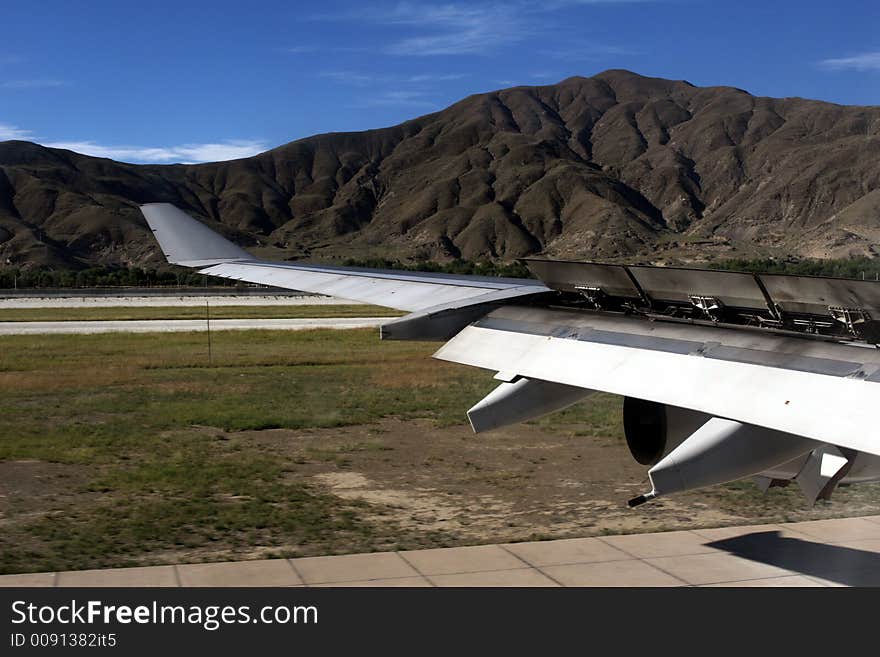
column 687, row 449
column 721, row 451
column 522, row 400
column 653, row 430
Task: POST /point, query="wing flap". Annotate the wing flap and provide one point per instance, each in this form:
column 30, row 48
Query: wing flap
column 443, row 321
column 831, row 409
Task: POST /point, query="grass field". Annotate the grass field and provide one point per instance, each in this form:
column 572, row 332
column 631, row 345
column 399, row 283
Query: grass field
column 192, row 312
column 145, row 425
column 128, row 449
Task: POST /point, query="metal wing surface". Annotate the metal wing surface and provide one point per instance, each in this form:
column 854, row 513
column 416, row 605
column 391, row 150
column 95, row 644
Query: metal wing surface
column 188, row 242
column 824, row 391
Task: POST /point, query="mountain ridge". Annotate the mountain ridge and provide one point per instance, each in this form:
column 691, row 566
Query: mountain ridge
column 615, row 166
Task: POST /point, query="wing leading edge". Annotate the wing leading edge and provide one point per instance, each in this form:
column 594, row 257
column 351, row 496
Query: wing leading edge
column 189, row 243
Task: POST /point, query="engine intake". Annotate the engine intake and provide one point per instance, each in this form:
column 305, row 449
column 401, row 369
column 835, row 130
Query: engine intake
column 653, row 430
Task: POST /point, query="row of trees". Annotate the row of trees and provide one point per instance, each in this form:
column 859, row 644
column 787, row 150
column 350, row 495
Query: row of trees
column 106, row 277
column 461, row 267
column 170, row 276
column 858, row 268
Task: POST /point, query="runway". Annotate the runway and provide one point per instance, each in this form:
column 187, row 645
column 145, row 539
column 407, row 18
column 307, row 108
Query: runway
column 183, row 325
column 816, row 553
column 167, row 300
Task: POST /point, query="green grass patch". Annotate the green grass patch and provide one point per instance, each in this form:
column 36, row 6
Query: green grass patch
column 154, row 425
column 80, row 398
column 598, row 415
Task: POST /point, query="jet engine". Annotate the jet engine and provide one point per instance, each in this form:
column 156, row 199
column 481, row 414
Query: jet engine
column 688, row 450
column 653, row 430
column 520, row 400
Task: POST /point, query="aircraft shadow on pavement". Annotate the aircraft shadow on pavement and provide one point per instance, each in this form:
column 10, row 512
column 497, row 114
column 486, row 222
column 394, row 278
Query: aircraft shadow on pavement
column 843, row 565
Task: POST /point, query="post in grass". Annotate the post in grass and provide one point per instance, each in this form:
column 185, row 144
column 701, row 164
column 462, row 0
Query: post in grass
column 208, row 322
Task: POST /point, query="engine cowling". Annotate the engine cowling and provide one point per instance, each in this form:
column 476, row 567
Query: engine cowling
column 653, row 430
column 522, row 400
column 687, row 449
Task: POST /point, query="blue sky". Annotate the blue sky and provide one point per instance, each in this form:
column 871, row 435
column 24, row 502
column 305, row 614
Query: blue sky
column 198, row 81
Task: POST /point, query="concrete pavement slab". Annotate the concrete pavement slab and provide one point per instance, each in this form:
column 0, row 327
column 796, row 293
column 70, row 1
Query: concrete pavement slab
column 509, row 578
column 28, row 579
column 838, row 529
column 663, row 544
column 771, row 582
column 869, row 577
column 611, row 573
column 571, row 550
column 144, row 576
column 265, row 572
column 715, row 568
column 722, row 533
column 867, row 545
column 442, row 561
column 352, row 568
column 393, row 582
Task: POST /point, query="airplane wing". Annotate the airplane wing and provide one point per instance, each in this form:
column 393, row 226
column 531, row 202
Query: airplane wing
column 825, row 392
column 190, row 243
column 725, row 375
column 735, row 374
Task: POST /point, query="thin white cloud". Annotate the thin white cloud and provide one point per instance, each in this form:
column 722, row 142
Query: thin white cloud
column 866, row 61
column 185, row 153
column 11, row 132
column 559, row 4
column 231, row 149
column 359, row 79
column 400, row 90
column 324, row 48
column 468, row 42
column 40, row 83
column 349, row 77
column 458, row 28
column 589, row 52
column 434, row 77
column 399, row 99
column 297, row 50
column 451, row 28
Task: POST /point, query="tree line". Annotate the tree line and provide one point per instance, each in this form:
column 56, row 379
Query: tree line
column 171, row 276
column 460, row 267
column 858, row 268
column 106, row 277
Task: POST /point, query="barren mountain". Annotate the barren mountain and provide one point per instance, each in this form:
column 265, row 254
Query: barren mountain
column 617, row 166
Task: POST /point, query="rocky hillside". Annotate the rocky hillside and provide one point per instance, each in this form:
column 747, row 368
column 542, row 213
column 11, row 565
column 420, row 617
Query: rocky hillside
column 617, row 166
